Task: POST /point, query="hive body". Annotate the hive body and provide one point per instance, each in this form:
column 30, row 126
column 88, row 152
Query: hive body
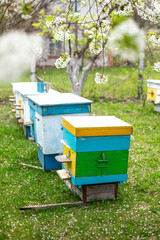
column 46, row 112
column 97, row 154
column 153, row 93
column 22, row 91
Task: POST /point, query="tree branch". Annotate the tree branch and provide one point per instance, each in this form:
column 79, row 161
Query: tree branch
column 69, row 71
column 81, row 53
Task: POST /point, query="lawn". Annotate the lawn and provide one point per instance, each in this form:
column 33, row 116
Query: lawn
column 133, row 215
column 122, row 82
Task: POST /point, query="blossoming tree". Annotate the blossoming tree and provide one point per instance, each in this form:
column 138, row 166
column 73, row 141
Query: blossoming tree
column 14, row 12
column 87, row 31
column 85, row 27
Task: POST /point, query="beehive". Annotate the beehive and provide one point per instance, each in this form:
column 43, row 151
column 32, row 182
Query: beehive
column 46, row 112
column 22, row 91
column 153, row 93
column 97, row 149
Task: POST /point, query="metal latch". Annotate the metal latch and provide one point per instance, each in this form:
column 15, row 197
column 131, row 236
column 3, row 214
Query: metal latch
column 102, row 163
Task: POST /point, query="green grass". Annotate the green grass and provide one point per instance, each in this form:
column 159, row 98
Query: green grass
column 122, row 82
column 133, row 215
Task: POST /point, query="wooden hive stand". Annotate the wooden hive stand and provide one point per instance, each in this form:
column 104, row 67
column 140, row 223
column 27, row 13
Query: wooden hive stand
column 87, row 193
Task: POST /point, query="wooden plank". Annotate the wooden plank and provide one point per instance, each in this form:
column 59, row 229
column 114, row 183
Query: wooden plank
column 11, row 100
column 63, row 159
column 96, row 126
column 28, row 165
column 31, row 139
column 36, row 207
column 19, row 108
column 17, row 105
column 96, row 143
column 13, row 110
column 100, row 192
column 74, row 189
column 28, row 123
column 63, row 174
column 108, row 131
column 71, row 166
column 68, row 184
column 20, row 121
column 11, row 96
column 95, row 192
column 77, row 191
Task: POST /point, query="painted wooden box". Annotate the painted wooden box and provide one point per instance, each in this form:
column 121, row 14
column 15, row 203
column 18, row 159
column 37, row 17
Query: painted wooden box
column 46, row 112
column 22, row 91
column 16, row 87
column 153, row 93
column 95, row 149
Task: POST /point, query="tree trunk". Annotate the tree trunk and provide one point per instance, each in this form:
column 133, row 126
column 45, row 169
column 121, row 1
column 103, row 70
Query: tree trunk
column 141, row 71
column 73, row 69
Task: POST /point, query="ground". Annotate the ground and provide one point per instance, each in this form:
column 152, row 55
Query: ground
column 133, row 215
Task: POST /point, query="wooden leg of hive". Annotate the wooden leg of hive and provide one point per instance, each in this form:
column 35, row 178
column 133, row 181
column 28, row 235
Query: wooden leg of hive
column 116, row 190
column 25, row 131
column 76, row 190
column 84, row 192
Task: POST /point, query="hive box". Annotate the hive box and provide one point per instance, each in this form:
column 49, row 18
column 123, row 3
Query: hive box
column 20, row 85
column 153, row 93
column 22, row 91
column 46, row 112
column 97, row 149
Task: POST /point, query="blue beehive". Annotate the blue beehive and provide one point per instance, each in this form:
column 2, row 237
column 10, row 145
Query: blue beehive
column 46, row 112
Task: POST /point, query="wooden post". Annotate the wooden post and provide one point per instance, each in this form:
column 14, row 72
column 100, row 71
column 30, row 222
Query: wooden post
column 33, row 69
column 37, row 207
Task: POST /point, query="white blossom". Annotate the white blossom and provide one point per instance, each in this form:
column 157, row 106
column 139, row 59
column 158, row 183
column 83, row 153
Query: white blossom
column 101, row 78
column 127, row 10
column 58, row 28
column 49, row 24
column 60, row 35
column 62, row 61
column 157, row 66
column 154, row 40
column 59, row 20
column 16, row 51
column 100, row 32
column 149, row 12
column 127, row 40
column 95, row 47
